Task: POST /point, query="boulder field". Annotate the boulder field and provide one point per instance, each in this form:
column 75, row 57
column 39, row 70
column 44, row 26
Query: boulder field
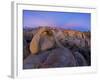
column 47, row 47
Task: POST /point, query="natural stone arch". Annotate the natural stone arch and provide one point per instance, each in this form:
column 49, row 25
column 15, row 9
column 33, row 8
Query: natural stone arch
column 36, row 45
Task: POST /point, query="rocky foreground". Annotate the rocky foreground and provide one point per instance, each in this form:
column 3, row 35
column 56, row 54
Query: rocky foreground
column 46, row 47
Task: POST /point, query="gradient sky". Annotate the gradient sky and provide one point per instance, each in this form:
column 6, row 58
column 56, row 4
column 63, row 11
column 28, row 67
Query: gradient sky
column 67, row 20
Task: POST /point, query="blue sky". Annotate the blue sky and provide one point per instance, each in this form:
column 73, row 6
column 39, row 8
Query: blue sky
column 66, row 20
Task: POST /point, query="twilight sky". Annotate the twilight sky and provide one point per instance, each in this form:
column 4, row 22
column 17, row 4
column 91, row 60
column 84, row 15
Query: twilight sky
column 67, row 20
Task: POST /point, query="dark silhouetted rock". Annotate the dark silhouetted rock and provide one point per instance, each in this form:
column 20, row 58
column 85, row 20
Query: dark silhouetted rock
column 33, row 61
column 59, row 58
column 80, row 59
column 26, row 51
column 86, row 53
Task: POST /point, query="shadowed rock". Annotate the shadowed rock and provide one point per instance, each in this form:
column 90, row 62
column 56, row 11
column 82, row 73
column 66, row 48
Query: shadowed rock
column 26, row 51
column 59, row 58
column 80, row 59
column 33, row 61
column 86, row 53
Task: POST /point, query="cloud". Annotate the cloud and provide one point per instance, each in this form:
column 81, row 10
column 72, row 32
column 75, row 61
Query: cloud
column 72, row 25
